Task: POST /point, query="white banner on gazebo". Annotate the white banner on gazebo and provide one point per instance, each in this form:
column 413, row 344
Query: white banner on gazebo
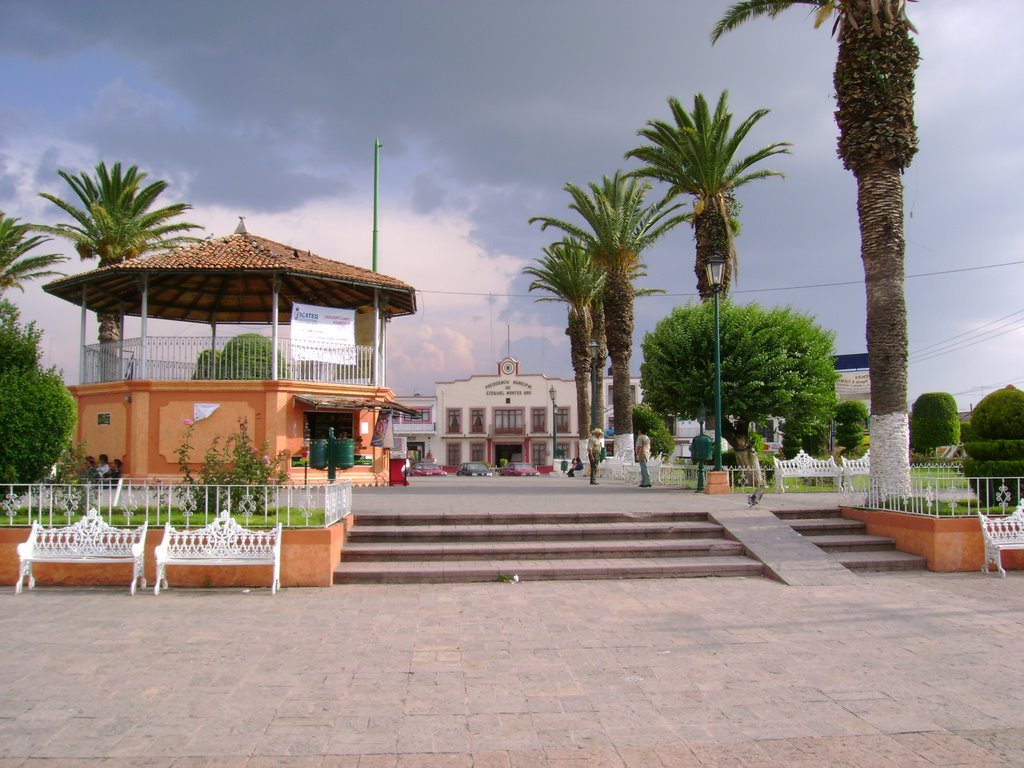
column 323, row 334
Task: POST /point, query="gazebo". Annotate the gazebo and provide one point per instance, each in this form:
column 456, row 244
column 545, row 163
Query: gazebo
column 135, row 396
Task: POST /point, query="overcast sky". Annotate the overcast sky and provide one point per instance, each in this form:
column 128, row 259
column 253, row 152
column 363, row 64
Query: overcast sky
column 269, row 110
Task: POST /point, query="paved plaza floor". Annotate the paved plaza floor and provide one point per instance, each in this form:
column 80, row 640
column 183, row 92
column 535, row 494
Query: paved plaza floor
column 907, row 669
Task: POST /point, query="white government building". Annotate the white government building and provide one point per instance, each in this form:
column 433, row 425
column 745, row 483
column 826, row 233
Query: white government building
column 506, row 415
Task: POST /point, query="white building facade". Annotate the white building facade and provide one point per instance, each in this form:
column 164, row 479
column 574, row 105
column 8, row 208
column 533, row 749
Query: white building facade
column 508, row 415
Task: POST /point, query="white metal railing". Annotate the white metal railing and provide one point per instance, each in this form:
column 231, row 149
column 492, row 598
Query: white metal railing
column 129, row 503
column 948, row 494
column 184, row 358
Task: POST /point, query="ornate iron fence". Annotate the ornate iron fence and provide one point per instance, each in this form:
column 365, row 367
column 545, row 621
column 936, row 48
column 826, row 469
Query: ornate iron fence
column 129, row 503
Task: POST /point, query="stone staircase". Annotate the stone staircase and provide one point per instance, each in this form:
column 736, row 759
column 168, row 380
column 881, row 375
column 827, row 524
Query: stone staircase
column 421, row 547
column 848, row 541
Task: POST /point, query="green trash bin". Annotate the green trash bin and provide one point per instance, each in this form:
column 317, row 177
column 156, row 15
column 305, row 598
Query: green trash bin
column 318, row 454
column 344, row 453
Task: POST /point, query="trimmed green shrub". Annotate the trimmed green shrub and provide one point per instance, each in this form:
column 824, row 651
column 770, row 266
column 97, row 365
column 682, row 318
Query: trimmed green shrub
column 1000, row 415
column 934, row 421
column 851, row 417
column 995, row 450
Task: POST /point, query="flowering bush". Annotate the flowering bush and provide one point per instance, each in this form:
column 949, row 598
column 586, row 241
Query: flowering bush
column 237, row 463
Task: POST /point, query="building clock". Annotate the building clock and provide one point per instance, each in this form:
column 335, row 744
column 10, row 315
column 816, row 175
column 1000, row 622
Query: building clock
column 508, row 367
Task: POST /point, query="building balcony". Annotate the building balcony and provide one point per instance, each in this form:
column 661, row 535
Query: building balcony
column 246, row 357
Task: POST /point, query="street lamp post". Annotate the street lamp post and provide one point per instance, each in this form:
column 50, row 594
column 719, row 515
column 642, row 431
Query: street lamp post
column 554, row 427
column 716, row 273
column 594, row 346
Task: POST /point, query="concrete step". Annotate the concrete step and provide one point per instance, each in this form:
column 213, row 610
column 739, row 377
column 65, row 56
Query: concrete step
column 854, row 543
column 539, row 550
column 533, row 532
column 804, row 514
column 827, row 526
column 411, row 572
column 524, row 517
column 882, row 561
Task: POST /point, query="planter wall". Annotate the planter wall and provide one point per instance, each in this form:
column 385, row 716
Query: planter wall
column 950, row 544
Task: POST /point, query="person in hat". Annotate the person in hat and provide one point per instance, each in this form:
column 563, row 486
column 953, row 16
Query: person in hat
column 594, row 445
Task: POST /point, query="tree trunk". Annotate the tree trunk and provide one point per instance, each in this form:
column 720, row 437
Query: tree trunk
column 712, row 238
column 738, row 435
column 618, row 307
column 880, row 209
column 600, row 361
column 579, row 331
column 874, row 81
column 109, row 354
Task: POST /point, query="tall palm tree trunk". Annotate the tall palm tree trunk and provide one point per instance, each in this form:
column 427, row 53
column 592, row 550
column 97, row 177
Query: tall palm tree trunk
column 880, row 210
column 874, row 80
column 618, row 303
column 579, row 331
column 600, row 361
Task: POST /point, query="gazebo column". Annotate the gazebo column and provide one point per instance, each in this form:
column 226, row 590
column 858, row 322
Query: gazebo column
column 275, row 337
column 378, row 379
column 142, row 332
column 81, row 337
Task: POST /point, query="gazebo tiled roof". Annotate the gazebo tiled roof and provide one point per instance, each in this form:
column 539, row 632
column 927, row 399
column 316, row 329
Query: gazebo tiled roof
column 230, row 280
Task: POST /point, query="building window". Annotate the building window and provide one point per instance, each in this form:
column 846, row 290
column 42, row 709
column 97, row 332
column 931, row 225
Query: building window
column 477, row 452
column 539, row 454
column 508, row 421
column 455, row 420
column 538, row 419
column 423, row 416
column 476, row 421
column 454, row 454
column 562, row 420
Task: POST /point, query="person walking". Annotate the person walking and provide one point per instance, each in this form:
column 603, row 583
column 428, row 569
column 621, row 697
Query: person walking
column 594, row 446
column 643, row 455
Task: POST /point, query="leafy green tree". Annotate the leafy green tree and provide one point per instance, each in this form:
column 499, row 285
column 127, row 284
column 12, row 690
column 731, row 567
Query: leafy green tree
column 16, row 267
column 653, row 424
column 696, row 155
column 117, row 222
column 851, row 417
column 775, row 363
column 568, row 273
column 934, row 421
column 617, row 227
column 996, row 450
column 874, row 91
column 37, row 412
column 247, row 356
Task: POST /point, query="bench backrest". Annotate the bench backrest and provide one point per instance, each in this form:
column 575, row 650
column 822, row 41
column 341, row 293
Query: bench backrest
column 804, row 463
column 222, row 538
column 859, row 466
column 1006, row 530
column 89, row 536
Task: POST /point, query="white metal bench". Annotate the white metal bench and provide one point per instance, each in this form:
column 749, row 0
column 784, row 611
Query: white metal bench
column 90, row 540
column 222, row 542
column 855, row 467
column 1002, row 533
column 804, row 465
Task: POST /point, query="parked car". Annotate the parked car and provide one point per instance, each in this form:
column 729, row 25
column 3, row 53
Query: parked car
column 426, row 468
column 474, row 468
column 518, row 469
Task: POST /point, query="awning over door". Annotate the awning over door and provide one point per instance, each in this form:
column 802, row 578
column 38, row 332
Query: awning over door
column 339, row 403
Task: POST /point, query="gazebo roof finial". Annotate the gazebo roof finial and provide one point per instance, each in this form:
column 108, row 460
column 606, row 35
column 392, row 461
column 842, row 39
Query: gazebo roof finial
column 240, row 229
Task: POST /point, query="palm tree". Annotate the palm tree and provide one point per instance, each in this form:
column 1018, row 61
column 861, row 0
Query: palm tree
column 570, row 276
column 115, row 222
column 617, row 228
column 697, row 156
column 874, row 84
column 15, row 267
